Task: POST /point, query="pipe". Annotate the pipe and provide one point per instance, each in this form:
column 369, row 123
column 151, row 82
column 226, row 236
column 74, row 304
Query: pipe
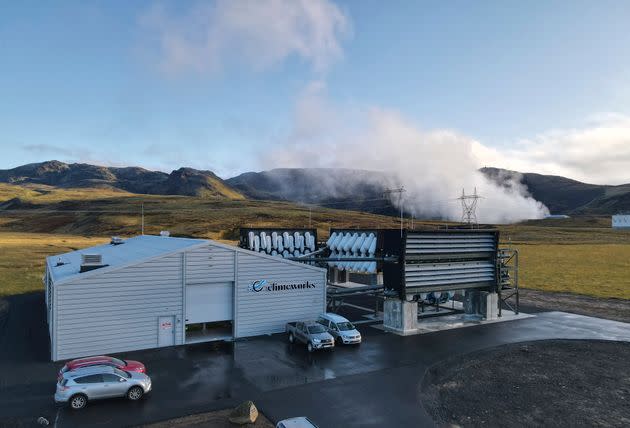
column 372, row 248
column 350, row 243
column 263, row 240
column 250, row 240
column 366, row 244
column 358, row 243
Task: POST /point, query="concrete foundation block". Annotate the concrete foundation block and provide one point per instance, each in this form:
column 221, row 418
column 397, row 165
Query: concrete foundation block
column 400, row 316
column 473, row 305
column 490, row 306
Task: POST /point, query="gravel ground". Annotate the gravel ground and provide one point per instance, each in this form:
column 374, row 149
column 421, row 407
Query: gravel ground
column 613, row 309
column 217, row 419
column 547, row 383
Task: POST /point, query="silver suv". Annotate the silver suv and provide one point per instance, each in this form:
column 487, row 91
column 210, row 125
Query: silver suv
column 78, row 386
column 341, row 329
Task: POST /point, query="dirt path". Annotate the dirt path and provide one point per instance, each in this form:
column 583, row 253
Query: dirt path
column 613, row 309
column 548, row 383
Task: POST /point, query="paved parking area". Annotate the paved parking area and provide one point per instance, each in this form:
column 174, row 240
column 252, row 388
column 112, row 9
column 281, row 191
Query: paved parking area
column 375, row 384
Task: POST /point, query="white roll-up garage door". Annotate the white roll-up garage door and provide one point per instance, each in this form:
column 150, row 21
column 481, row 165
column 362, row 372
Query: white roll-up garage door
column 209, row 302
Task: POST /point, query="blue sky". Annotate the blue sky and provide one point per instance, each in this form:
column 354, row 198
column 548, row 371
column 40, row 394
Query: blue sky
column 542, row 86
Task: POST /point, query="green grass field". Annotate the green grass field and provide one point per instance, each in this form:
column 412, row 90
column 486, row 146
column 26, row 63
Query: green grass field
column 582, row 255
column 22, row 258
column 600, row 270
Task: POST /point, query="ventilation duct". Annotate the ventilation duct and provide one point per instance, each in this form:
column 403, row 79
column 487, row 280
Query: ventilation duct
column 90, row 262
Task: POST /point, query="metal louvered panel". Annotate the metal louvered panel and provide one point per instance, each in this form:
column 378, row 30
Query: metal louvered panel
column 421, row 244
column 452, row 273
column 439, row 260
column 449, row 260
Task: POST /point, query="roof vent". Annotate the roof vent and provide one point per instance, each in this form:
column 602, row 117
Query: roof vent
column 117, row 240
column 91, row 262
column 91, row 259
column 165, row 233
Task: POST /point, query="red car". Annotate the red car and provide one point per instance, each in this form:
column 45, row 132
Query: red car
column 103, row 360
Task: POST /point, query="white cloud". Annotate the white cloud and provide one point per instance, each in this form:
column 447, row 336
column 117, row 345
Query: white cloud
column 433, row 165
column 260, row 34
column 598, row 152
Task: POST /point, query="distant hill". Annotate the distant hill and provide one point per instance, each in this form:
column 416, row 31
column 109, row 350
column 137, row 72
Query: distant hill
column 349, row 189
column 184, row 181
column 363, row 190
column 565, row 196
column 339, row 188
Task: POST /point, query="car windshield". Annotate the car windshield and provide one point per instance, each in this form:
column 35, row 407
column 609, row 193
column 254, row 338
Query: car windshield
column 345, row 326
column 118, row 362
column 122, row 373
column 314, row 329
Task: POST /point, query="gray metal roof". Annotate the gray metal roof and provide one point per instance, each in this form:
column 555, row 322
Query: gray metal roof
column 132, row 250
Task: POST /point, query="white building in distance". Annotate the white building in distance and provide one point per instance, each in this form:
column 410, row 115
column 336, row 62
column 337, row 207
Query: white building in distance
column 621, row 221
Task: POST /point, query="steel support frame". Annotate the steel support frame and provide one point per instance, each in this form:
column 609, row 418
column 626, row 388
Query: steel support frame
column 507, row 261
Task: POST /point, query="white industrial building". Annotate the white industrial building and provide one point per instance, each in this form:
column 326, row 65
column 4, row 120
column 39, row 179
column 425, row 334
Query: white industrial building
column 621, row 221
column 142, row 292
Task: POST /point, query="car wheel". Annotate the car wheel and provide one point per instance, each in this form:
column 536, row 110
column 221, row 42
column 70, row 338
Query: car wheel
column 78, row 401
column 135, row 393
column 338, row 341
column 309, row 347
column 291, row 338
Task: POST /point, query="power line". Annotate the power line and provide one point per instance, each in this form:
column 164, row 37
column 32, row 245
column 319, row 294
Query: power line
column 469, row 207
column 400, row 192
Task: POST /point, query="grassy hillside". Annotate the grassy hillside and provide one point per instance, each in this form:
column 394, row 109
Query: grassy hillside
column 580, row 255
column 565, row 196
column 101, row 212
column 22, row 258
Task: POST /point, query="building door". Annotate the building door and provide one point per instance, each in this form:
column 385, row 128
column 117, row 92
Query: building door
column 166, row 331
column 209, row 302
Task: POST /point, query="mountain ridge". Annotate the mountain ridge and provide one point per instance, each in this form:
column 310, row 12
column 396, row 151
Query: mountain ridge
column 567, row 196
column 182, row 181
column 351, row 189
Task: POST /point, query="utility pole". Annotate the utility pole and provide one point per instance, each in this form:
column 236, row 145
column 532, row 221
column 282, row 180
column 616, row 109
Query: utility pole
column 310, row 215
column 400, row 192
column 469, row 207
column 143, row 218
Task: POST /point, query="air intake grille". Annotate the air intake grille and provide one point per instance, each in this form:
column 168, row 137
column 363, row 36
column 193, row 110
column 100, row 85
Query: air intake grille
column 450, row 244
column 91, row 259
column 426, row 275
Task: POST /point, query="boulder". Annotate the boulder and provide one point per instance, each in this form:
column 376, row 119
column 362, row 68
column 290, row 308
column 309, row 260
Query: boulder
column 245, row 413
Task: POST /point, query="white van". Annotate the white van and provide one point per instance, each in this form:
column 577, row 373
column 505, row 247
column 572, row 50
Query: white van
column 341, row 329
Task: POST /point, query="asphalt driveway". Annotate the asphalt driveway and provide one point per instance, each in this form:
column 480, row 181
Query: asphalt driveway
column 375, row 384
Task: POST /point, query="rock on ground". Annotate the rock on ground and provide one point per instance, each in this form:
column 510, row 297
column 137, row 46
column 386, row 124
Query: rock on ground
column 245, row 413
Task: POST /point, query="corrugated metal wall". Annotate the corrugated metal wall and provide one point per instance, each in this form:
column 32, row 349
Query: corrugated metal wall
column 118, row 310
column 209, row 264
column 268, row 311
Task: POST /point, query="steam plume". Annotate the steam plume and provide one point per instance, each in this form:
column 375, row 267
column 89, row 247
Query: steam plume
column 433, row 165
